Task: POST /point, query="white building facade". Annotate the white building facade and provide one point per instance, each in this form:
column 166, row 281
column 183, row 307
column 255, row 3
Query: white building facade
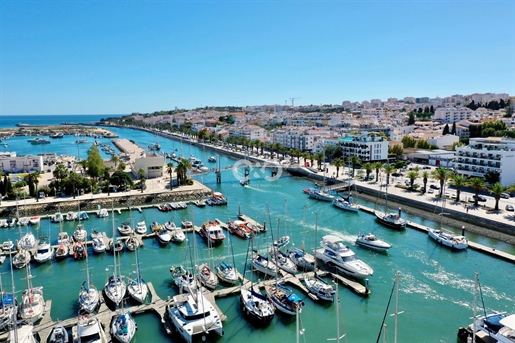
column 367, row 146
column 21, row 164
column 450, row 115
column 152, row 164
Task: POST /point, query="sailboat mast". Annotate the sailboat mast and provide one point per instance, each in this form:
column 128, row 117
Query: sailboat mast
column 476, row 282
column 397, row 279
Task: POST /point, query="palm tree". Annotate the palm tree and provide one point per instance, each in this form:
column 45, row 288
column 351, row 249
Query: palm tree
column 83, row 164
column 35, row 178
column 478, row 185
column 459, row 182
column 338, row 162
column 441, row 174
column 496, row 190
column 182, row 168
column 377, row 166
column 319, row 156
column 141, row 177
column 115, row 159
column 388, row 169
column 74, row 179
column 425, row 176
column 169, row 170
column 60, row 173
column 412, row 175
column 368, row 167
column 305, row 156
column 354, row 160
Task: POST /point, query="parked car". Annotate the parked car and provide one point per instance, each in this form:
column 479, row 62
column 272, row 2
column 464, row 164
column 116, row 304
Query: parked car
column 481, row 198
column 505, row 195
column 430, row 190
column 509, row 208
column 433, row 186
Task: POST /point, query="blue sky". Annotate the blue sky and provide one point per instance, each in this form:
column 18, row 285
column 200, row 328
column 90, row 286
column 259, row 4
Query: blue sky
column 96, row 57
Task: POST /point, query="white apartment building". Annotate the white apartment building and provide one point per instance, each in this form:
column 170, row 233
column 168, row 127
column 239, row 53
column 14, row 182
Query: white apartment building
column 250, row 132
column 21, row 164
column 450, row 115
column 367, row 146
column 443, row 142
column 483, row 155
column 152, row 164
column 297, row 139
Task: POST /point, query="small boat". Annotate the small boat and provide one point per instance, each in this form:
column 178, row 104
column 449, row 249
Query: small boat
column 21, row 259
column 303, row 260
column 177, row 235
column 125, row 229
column 70, row 216
column 98, row 245
column 206, row 276
column 321, row 195
column 372, row 242
column 57, row 135
column 212, row 233
column 317, row 286
column 34, row 220
column 216, row 199
column 63, row 238
column 123, row 327
column 257, row 306
column 80, row 234
column 262, row 264
column 44, row 251
column 79, row 250
column 284, row 299
column 132, row 243
column 7, row 245
column 240, row 228
column 102, row 213
column 81, row 141
column 23, row 221
column 154, row 147
column 82, row 215
column 187, row 224
column 164, row 207
column 170, row 226
column 200, row 202
column 183, row 279
column 39, row 140
column 226, row 273
column 163, row 236
column 211, row 159
column 57, row 218
column 392, row 220
column 282, row 260
column 59, row 335
column 155, row 226
column 448, row 239
column 62, row 251
column 116, row 245
column 96, row 234
column 282, row 241
column 141, row 228
column 345, row 205
column 28, row 241
column 89, row 330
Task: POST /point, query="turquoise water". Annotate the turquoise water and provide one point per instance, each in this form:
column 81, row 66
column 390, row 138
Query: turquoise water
column 436, row 288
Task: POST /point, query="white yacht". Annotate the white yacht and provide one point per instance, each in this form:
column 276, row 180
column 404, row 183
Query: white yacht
column 346, row 205
column 227, row 273
column 80, row 234
column 335, row 253
column 141, row 228
column 193, row 315
column 102, row 213
column 282, row 260
column 123, row 327
column 70, row 216
column 125, row 229
column 257, row 306
column 449, row 239
column 303, row 260
column 44, row 251
column 184, row 279
column 28, row 241
column 372, row 242
column 138, row 288
column 32, row 305
column 321, row 195
column 89, row 330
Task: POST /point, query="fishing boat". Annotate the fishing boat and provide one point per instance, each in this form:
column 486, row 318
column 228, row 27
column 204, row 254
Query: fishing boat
column 336, row 254
column 89, row 296
column 57, row 217
column 138, row 288
column 21, row 259
column 372, row 242
column 35, row 220
column 132, row 243
column 123, row 327
column 163, row 236
column 115, row 287
column 32, row 305
column 71, row 216
column 98, row 245
column 59, row 335
column 44, row 251
column 125, row 229
column 303, row 260
column 263, row 264
column 79, row 250
column 80, row 234
column 141, row 228
column 284, row 299
column 89, row 330
column 194, row 315
column 239, row 228
column 212, row 233
column 390, row 219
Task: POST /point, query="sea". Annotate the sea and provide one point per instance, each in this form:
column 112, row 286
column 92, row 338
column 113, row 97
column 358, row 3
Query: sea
column 43, row 119
column 436, row 288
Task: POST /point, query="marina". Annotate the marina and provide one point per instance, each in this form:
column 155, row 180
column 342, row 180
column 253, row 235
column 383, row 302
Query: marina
column 425, row 266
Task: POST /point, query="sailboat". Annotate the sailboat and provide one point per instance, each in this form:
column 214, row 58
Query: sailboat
column 338, row 309
column 115, row 286
column 226, row 272
column 316, row 284
column 123, row 327
column 348, row 203
column 7, row 306
column 184, row 279
column 63, row 240
column 138, row 289
column 396, row 314
column 204, row 273
column 88, row 294
column 32, row 305
column 392, row 219
column 321, row 194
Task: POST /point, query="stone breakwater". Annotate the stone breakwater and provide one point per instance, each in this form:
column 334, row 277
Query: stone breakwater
column 92, row 204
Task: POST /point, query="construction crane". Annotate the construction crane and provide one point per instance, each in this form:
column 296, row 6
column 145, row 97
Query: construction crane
column 293, row 101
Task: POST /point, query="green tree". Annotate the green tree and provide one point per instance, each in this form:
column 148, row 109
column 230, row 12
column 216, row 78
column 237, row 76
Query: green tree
column 397, row 150
column 169, row 170
column 412, row 176
column 425, row 176
column 74, row 179
column 441, row 175
column 354, row 161
column 477, row 184
column 119, row 178
column 141, row 177
column 377, row 166
column 35, row 176
column 496, row 190
column 319, row 157
column 445, row 130
column 411, row 119
column 95, row 163
column 368, row 167
column 121, row 166
column 338, row 163
column 453, row 130
column 60, row 173
column 388, row 169
column 115, row 159
column 30, row 183
column 459, row 182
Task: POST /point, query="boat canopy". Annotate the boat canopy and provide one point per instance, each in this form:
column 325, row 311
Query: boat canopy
column 509, row 321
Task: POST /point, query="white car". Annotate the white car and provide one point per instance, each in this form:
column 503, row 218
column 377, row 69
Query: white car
column 505, row 195
column 430, row 190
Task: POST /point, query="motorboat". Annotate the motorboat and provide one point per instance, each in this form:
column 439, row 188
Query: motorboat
column 177, row 235
column 98, row 245
column 22, row 334
column 35, row 220
column 39, row 141
column 62, row 251
column 319, row 194
column 281, row 242
column 63, row 238
column 336, row 254
column 125, row 229
column 303, row 260
column 211, row 159
column 170, row 226
column 206, row 276
column 23, row 221
column 141, row 228
column 163, row 236
column 317, row 286
column 59, row 335
column 347, row 205
column 392, row 220
column 155, row 226
column 216, row 199
column 44, row 251
column 132, row 243
column 183, row 279
column 115, row 245
column 57, row 217
column 89, row 330
column 284, row 299
column 200, row 202
column 80, row 234
column 448, row 239
column 164, row 207
column 8, row 245
column 282, row 260
column 372, row 242
column 102, row 213
column 28, row 241
column 240, row 228
column 186, row 224
column 82, row 215
column 71, row 216
column 256, row 306
column 21, row 259
column 79, row 250
column 97, row 234
column 194, row 315
column 263, row 264
column 123, row 327
column 212, row 233
column 226, row 273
